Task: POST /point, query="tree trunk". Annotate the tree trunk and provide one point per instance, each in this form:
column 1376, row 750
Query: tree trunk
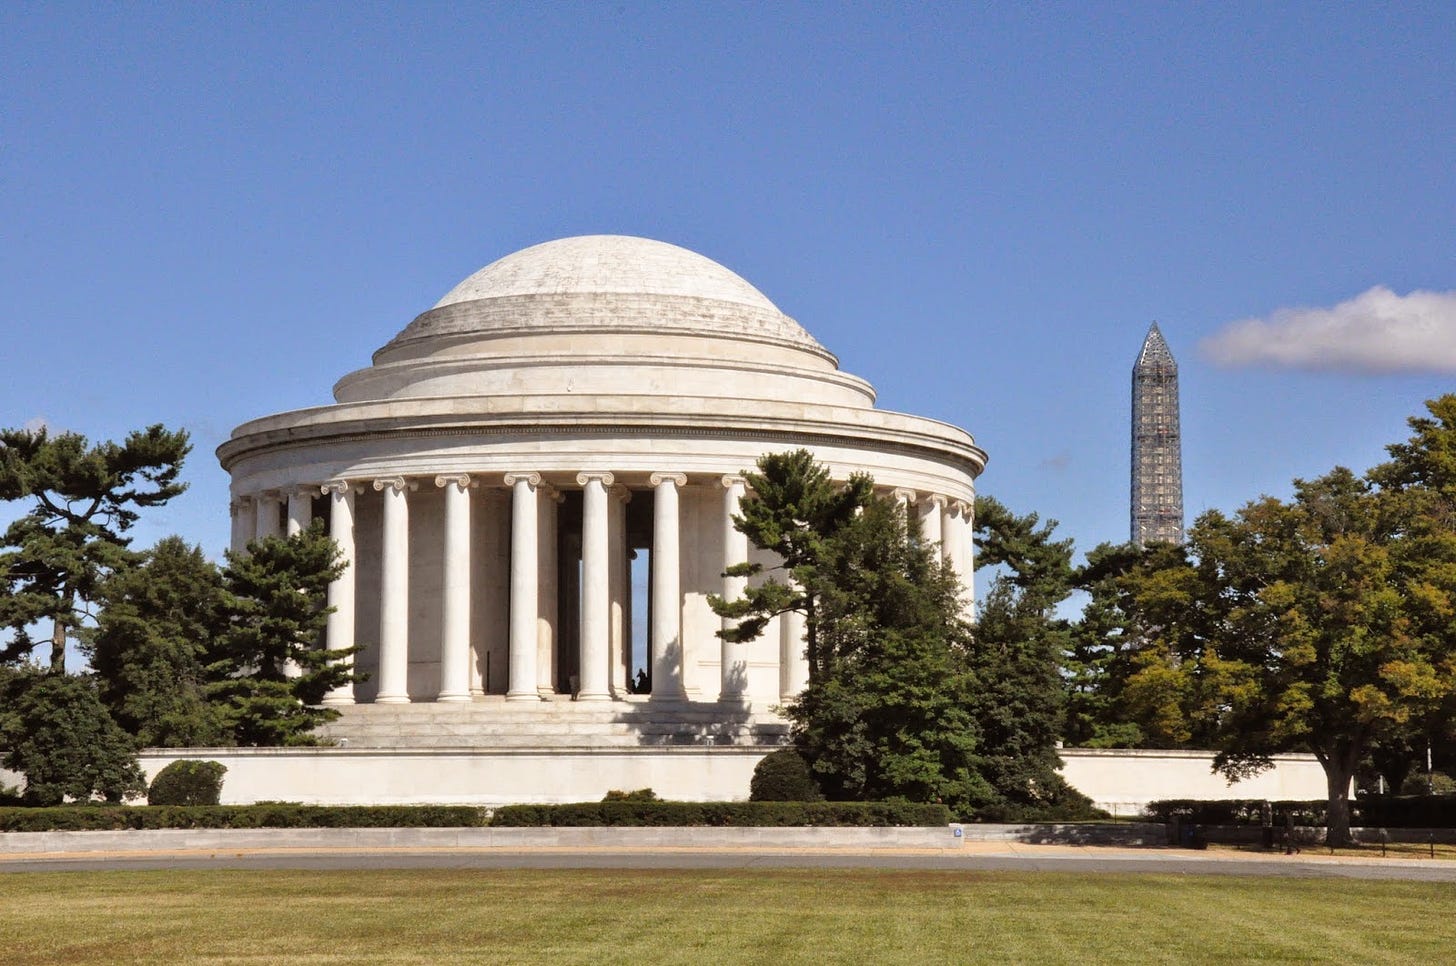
column 58, row 645
column 1338, row 773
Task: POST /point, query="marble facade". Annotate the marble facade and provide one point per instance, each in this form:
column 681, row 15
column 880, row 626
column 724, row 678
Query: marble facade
column 578, row 404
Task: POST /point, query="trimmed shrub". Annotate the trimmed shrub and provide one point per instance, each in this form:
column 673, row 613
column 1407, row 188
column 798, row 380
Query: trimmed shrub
column 83, row 818
column 640, row 795
column 722, row 814
column 783, row 776
column 1372, row 811
column 187, row 782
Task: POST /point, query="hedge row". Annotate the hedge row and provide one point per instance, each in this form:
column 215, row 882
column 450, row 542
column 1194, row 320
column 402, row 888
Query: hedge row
column 1373, row 811
column 90, row 818
column 753, row 814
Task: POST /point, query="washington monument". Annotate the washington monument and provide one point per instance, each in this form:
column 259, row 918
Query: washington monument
column 1157, row 463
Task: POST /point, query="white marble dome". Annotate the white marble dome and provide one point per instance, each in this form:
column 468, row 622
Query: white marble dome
column 617, row 264
column 605, row 313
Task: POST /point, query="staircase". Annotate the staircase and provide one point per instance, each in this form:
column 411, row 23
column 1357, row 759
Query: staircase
column 493, row 723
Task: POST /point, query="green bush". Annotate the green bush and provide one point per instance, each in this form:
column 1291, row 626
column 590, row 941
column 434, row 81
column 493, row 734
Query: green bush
column 1235, row 811
column 1436, row 783
column 187, row 782
column 722, row 814
column 1404, row 811
column 783, row 776
column 1372, row 811
column 119, row 817
column 640, row 795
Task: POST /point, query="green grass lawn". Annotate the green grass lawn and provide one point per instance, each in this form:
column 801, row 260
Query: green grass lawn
column 831, row 916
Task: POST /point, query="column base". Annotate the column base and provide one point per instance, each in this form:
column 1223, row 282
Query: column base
column 330, row 701
column 459, row 697
column 522, row 696
column 392, row 699
column 597, row 696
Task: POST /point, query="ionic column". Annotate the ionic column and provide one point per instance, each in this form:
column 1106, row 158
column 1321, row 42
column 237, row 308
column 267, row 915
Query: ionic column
column 245, row 522
column 394, row 594
column 734, row 655
column 455, row 620
column 931, row 509
column 596, row 578
column 339, row 632
column 619, row 589
column 950, row 533
column 522, row 672
column 266, row 522
column 300, row 510
column 967, row 560
column 793, row 662
column 667, row 645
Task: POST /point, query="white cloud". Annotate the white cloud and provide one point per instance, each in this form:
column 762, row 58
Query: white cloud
column 37, row 424
column 1375, row 332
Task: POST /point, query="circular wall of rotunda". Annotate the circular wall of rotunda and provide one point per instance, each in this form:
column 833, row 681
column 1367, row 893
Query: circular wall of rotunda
column 567, row 424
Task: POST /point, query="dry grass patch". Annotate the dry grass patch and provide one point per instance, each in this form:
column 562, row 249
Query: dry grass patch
column 637, row 916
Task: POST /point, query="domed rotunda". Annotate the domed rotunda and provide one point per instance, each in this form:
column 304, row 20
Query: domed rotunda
column 534, row 483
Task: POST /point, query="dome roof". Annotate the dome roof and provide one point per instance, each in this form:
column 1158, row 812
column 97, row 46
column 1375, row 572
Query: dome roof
column 605, row 284
column 619, row 264
column 605, row 314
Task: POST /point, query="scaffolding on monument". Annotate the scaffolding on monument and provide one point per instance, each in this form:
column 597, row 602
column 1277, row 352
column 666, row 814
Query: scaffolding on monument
column 1157, row 462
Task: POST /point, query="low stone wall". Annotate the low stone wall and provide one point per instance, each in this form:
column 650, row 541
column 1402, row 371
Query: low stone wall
column 1122, row 781
column 470, row 776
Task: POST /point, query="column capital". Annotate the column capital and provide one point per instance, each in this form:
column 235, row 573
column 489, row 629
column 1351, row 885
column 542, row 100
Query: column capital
column 309, row 490
column 586, row 476
column 396, row 483
column 272, row 496
column 730, row 480
column 462, row 480
column 966, row 509
column 657, row 479
column 935, row 499
column 531, row 479
column 904, row 495
column 620, row 493
column 239, row 503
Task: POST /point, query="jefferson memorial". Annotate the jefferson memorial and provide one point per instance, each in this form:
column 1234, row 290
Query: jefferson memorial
column 534, row 485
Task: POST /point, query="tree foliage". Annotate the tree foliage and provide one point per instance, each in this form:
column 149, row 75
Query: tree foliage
column 1015, row 659
column 795, row 510
column 903, row 701
column 1323, row 623
column 84, row 498
column 153, row 642
column 889, row 713
column 269, row 673
column 58, row 734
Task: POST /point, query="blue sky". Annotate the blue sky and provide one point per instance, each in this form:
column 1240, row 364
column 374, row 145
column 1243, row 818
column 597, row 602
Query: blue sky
column 211, row 212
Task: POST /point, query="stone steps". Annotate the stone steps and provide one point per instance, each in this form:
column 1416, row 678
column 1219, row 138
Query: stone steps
column 551, row 725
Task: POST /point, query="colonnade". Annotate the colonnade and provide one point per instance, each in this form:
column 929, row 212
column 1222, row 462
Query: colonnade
column 944, row 522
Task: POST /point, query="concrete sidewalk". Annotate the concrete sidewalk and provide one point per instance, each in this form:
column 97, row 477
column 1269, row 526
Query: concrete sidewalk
column 677, row 848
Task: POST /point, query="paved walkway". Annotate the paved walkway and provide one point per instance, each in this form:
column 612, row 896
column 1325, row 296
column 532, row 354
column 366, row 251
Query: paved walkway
column 971, row 856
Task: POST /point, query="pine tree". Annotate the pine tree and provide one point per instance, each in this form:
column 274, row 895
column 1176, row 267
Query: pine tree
column 152, row 645
column 84, row 499
column 270, row 672
column 58, row 734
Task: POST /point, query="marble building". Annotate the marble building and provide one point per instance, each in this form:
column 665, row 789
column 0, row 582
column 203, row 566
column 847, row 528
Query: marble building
column 570, row 421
